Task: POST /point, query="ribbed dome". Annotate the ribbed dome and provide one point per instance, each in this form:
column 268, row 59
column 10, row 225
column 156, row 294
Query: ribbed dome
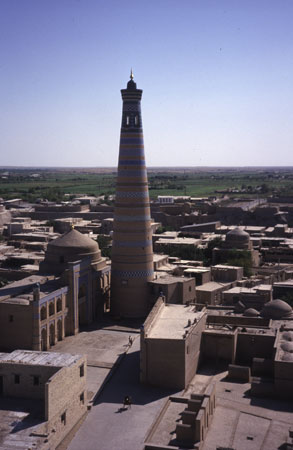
column 75, row 240
column 277, row 309
column 251, row 312
column 237, row 235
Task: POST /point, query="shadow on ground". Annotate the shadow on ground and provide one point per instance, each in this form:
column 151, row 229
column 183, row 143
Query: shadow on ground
column 273, row 404
column 212, row 367
column 107, row 322
column 32, row 412
column 126, row 381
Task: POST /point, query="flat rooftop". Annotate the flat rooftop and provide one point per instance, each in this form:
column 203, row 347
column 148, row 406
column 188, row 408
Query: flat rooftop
column 167, row 279
column 211, row 286
column 21, row 291
column 34, row 358
column 197, row 270
column 253, row 290
column 288, row 283
column 178, row 240
column 172, row 321
column 159, row 257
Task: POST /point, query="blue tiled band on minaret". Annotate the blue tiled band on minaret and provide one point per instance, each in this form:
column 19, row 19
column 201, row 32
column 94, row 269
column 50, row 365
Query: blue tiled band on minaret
column 132, row 254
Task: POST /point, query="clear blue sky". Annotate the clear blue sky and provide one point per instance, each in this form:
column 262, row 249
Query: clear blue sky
column 216, row 74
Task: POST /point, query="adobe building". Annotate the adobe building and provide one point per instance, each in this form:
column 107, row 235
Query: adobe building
column 211, row 293
column 226, row 274
column 72, row 291
column 237, row 245
column 254, row 297
column 77, row 258
column 170, row 345
column 132, row 252
column 174, row 289
column 55, row 385
column 196, row 418
column 201, row 275
column 246, row 337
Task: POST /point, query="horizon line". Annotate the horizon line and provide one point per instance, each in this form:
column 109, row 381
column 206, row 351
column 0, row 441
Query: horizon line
column 148, row 167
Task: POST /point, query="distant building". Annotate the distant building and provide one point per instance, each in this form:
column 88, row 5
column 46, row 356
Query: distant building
column 165, row 199
column 237, row 245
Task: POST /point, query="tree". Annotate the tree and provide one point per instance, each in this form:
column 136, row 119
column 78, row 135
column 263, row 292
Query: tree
column 104, row 243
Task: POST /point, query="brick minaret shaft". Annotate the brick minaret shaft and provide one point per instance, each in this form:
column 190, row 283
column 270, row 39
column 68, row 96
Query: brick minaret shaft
column 132, row 252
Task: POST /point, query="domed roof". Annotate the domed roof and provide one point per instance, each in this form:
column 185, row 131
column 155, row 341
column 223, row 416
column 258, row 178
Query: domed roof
column 71, row 247
column 251, row 312
column 287, row 347
column 237, row 235
column 277, row 309
column 287, row 336
column 131, row 85
column 73, row 239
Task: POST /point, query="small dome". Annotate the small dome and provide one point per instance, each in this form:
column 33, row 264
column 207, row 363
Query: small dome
column 237, row 235
column 131, row 85
column 73, row 239
column 277, row 309
column 287, row 336
column 287, row 347
column 251, row 312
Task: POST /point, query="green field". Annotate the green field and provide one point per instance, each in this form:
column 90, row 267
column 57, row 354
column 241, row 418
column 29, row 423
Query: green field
column 53, row 184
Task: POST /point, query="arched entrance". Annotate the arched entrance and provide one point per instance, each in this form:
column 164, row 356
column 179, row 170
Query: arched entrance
column 82, row 305
column 59, row 330
column 43, row 313
column 44, row 339
column 52, row 335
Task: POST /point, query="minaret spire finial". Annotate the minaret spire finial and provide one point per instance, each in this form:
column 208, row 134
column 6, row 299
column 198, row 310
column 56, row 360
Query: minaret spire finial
column 131, row 74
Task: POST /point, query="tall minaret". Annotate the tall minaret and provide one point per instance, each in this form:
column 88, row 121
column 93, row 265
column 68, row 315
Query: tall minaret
column 132, row 251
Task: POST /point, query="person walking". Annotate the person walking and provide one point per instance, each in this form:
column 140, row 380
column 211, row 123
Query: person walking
column 127, row 402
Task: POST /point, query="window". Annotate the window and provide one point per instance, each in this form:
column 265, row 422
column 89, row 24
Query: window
column 81, row 398
column 59, row 304
column 51, row 309
column 16, row 379
column 81, row 370
column 43, row 313
column 63, row 418
column 61, row 259
column 36, row 380
column 127, row 121
column 11, row 318
column 136, row 120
